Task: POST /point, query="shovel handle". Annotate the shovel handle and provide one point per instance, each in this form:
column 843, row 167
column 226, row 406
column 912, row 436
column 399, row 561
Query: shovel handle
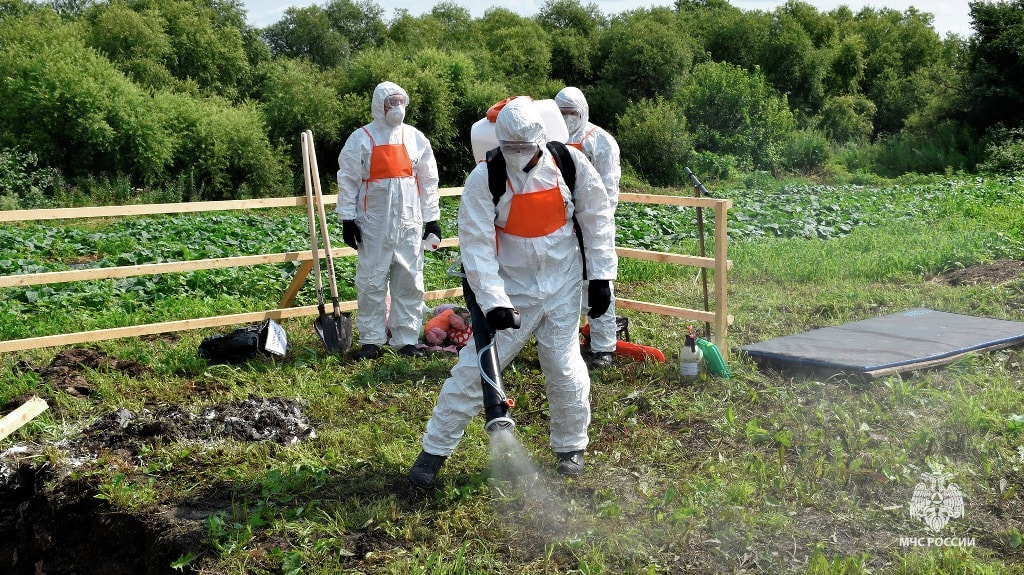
column 307, row 178
column 323, row 219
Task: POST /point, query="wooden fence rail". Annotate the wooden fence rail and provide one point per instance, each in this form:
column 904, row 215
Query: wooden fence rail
column 720, row 265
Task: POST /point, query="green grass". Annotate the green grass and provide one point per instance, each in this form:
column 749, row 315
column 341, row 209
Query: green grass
column 763, row 472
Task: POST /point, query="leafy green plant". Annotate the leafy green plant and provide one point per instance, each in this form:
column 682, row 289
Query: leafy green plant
column 123, row 494
column 23, row 183
column 1005, row 154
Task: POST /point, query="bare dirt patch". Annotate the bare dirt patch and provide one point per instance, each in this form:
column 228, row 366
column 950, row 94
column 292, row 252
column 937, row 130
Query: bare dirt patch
column 994, row 273
column 51, row 520
column 66, row 371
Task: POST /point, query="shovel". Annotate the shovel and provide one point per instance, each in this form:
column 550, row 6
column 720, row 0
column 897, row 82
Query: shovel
column 334, row 329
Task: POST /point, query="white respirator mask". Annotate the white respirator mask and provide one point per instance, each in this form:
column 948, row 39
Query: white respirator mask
column 518, row 155
column 395, row 116
column 573, row 122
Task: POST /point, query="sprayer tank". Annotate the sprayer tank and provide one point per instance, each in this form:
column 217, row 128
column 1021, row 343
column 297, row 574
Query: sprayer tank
column 483, row 136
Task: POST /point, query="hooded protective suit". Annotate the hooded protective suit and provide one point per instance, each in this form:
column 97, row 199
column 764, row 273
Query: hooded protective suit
column 603, row 152
column 530, row 262
column 387, row 183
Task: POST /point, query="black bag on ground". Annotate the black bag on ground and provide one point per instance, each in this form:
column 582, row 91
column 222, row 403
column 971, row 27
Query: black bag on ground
column 242, row 344
column 238, row 346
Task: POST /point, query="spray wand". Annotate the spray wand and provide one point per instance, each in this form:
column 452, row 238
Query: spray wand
column 496, row 402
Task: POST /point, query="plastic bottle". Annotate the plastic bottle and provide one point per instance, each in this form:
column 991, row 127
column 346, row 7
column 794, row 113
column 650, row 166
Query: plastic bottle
column 690, row 357
column 713, row 358
column 431, row 243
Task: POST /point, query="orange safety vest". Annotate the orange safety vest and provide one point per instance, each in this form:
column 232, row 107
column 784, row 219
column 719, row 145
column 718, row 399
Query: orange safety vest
column 388, row 160
column 535, row 214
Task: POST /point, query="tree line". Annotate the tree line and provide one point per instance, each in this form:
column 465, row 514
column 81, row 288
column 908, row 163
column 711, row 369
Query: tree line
column 185, row 94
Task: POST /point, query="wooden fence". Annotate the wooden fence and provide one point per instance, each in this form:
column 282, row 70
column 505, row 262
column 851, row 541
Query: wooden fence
column 719, row 264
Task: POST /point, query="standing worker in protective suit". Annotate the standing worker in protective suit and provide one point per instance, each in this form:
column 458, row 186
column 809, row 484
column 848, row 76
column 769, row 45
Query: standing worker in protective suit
column 521, row 254
column 388, row 204
column 603, row 152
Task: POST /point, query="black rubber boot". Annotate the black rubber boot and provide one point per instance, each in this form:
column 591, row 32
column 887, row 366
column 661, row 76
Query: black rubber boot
column 601, row 359
column 410, row 350
column 368, row 351
column 570, row 463
column 425, row 470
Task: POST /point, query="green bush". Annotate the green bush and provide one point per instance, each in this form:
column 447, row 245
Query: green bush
column 306, row 33
column 134, row 41
column 937, row 152
column 847, row 118
column 209, row 48
column 1005, row 152
column 223, row 148
column 72, row 107
column 733, row 112
column 643, row 53
column 807, row 152
column 518, row 50
column 23, row 184
column 297, row 96
column 654, row 139
column 714, row 166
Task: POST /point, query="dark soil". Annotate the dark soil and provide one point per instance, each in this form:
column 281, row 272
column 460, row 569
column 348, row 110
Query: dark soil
column 994, row 273
column 51, row 521
column 66, row 371
column 67, row 530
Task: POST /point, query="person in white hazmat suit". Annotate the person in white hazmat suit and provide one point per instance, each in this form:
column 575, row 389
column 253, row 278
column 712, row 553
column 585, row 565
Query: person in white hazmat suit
column 388, row 204
column 521, row 254
column 603, row 152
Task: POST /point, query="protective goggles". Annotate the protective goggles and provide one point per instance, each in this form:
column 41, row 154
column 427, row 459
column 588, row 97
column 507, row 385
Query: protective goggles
column 394, row 101
column 569, row 112
column 518, row 147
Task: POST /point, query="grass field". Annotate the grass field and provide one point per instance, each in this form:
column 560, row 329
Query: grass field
column 763, row 472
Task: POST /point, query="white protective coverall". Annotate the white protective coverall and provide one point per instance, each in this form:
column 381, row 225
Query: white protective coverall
column 603, row 152
column 390, row 209
column 538, row 276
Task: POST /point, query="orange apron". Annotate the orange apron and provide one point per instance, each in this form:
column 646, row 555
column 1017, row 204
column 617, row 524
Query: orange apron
column 536, row 214
column 388, row 160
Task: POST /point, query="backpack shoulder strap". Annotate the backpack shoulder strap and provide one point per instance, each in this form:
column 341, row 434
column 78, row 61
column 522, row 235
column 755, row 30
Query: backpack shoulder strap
column 565, row 164
column 563, row 159
column 495, row 173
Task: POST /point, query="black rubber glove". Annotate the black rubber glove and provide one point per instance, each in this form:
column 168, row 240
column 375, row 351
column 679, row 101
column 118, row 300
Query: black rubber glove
column 501, row 318
column 599, row 296
column 432, row 228
column 351, row 233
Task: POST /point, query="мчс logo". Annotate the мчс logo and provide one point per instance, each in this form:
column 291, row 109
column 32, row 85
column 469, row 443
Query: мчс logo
column 935, row 502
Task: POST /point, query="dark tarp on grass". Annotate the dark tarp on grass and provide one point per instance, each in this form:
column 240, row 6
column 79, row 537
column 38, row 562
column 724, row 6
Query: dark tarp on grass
column 879, row 346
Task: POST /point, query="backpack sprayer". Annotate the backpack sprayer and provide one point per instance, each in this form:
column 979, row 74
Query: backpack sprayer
column 496, row 402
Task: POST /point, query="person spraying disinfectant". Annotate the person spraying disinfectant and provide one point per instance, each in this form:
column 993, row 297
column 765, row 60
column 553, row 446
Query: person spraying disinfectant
column 524, row 266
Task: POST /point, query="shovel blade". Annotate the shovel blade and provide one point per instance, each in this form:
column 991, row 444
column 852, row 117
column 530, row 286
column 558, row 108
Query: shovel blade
column 335, row 332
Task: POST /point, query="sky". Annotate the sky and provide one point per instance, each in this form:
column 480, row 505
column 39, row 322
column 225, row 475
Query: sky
column 950, row 16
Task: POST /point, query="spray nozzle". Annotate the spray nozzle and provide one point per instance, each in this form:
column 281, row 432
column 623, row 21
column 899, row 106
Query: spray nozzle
column 499, row 424
column 691, row 339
